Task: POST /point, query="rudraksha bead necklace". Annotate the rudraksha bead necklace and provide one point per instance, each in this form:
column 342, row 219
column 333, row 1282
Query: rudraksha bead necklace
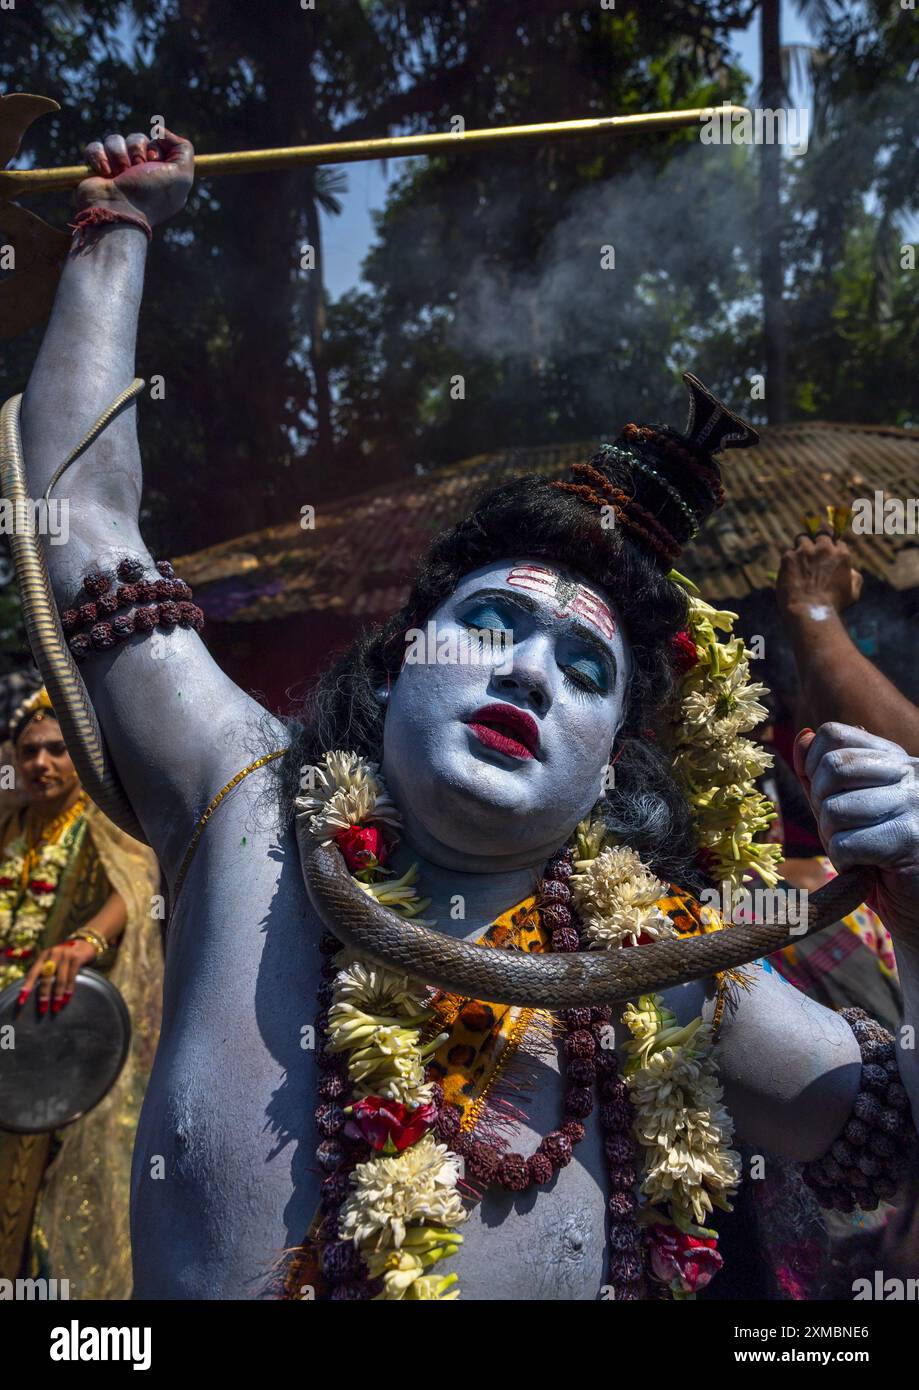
column 589, row 1062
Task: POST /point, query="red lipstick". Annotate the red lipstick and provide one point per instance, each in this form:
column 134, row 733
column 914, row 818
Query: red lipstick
column 507, row 729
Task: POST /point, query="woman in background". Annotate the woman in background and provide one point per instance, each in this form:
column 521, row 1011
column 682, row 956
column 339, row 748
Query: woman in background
column 75, row 891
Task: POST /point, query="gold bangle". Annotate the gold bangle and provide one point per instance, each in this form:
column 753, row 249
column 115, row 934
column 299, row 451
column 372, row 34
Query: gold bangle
column 93, row 938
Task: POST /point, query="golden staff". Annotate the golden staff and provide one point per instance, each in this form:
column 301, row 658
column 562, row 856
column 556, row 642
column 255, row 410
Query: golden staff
column 26, row 297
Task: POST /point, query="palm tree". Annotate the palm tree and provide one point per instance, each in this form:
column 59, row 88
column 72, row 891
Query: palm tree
column 779, row 65
column 775, row 336
column 328, row 184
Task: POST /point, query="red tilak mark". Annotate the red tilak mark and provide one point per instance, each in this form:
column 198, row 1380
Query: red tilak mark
column 595, row 611
column 533, row 577
column 582, row 602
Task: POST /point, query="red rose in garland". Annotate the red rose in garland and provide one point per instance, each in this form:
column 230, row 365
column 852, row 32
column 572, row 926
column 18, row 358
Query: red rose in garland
column 684, row 1263
column 388, row 1122
column 363, row 846
column 683, row 652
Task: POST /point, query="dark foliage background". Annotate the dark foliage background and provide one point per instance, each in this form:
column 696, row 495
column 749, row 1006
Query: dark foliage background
column 484, row 265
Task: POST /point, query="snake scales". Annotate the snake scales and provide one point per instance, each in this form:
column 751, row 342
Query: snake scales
column 551, row 981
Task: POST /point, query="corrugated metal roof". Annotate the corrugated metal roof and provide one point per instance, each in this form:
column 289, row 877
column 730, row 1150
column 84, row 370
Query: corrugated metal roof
column 361, row 552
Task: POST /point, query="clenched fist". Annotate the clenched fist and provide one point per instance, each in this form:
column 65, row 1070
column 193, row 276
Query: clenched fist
column 151, row 177
column 864, row 793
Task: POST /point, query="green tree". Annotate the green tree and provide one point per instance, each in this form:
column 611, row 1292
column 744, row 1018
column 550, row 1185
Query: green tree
column 487, row 265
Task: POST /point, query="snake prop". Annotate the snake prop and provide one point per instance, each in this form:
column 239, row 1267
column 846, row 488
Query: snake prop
column 358, row 920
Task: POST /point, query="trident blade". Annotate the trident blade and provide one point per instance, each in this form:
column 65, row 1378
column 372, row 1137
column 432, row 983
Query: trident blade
column 17, row 112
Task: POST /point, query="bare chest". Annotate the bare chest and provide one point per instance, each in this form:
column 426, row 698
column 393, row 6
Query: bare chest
column 548, row 1243
column 241, row 1007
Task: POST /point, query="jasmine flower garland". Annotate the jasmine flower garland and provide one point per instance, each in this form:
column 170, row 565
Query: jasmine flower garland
column 615, row 894
column 399, row 1209
column 24, row 909
column 713, row 761
column 404, row 1200
column 685, row 1133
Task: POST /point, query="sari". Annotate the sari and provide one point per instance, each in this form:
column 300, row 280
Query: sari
column 64, row 1197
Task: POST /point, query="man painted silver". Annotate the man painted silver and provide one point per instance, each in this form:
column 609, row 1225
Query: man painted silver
column 228, row 1112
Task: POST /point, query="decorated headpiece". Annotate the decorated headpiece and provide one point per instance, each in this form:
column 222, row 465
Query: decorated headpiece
column 660, row 484
column 35, row 706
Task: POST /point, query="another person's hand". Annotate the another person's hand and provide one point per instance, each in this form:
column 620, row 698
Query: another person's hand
column 864, row 793
column 55, row 989
column 151, row 177
column 817, row 574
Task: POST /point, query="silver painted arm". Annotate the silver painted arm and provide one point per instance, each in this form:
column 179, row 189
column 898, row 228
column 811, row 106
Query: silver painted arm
column 176, row 726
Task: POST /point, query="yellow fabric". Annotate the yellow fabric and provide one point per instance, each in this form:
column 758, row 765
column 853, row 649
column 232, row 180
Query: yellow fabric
column 81, row 890
column 484, row 1037
column 82, row 1213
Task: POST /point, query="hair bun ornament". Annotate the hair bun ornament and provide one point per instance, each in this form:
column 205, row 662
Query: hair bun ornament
column 711, row 427
column 662, row 484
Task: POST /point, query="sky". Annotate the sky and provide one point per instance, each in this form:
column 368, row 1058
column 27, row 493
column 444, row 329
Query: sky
column 347, row 238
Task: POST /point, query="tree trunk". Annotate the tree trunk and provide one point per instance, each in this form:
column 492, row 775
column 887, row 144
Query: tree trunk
column 317, row 328
column 775, row 338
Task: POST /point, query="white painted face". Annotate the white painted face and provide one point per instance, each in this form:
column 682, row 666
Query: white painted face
column 493, row 756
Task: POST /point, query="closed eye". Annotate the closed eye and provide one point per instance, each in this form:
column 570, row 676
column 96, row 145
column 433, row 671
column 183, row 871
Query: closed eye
column 488, row 615
column 587, row 674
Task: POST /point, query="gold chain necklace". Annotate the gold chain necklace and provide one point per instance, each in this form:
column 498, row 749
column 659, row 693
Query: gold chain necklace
column 51, row 832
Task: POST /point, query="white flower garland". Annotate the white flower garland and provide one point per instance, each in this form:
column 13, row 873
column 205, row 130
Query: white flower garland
column 713, row 761
column 615, row 894
column 680, row 1120
column 344, row 791
column 22, row 929
column 681, row 1125
column 403, row 1208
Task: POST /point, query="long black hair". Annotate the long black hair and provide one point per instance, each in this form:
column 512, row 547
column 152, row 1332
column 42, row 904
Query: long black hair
column 530, row 518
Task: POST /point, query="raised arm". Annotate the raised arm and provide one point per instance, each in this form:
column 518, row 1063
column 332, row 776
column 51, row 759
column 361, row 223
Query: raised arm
column 177, row 728
column 816, row 583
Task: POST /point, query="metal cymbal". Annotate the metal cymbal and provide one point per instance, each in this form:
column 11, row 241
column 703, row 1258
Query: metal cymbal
column 56, row 1068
